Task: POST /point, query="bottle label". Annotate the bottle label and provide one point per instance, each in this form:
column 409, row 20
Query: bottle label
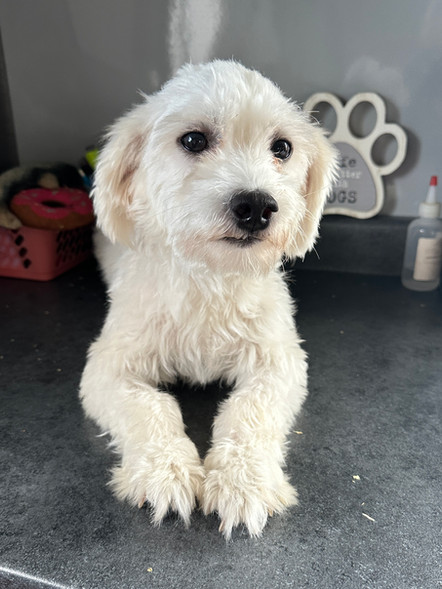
column 428, row 258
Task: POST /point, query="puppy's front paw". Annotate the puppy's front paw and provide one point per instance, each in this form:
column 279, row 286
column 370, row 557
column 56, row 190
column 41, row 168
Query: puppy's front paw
column 169, row 476
column 244, row 486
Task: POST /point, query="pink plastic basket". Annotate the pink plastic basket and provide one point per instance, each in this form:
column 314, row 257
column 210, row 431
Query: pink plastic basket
column 40, row 254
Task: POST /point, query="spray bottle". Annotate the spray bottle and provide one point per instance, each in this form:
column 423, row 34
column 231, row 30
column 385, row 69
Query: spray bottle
column 423, row 248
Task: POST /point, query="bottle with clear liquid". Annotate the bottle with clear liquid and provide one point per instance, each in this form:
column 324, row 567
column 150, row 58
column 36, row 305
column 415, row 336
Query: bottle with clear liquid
column 423, row 249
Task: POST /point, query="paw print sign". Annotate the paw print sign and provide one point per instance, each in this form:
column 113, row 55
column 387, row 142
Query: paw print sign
column 359, row 190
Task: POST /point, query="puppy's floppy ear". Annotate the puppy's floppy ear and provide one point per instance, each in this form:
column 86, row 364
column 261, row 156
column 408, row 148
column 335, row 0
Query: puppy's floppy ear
column 319, row 180
column 116, row 173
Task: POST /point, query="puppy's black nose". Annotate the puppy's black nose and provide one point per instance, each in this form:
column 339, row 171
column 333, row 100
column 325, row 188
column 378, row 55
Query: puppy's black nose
column 253, row 210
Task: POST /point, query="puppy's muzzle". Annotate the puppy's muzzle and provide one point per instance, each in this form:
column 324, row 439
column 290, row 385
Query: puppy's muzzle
column 252, row 210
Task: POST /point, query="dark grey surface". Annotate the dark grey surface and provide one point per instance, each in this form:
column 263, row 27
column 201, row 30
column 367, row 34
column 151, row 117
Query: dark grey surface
column 370, row 246
column 373, row 411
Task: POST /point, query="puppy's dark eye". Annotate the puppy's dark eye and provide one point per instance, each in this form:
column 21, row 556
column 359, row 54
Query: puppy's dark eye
column 194, row 141
column 281, row 149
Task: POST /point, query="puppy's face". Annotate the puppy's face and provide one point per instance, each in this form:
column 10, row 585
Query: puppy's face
column 220, row 167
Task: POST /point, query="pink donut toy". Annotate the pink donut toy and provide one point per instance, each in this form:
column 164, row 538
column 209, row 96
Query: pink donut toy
column 61, row 208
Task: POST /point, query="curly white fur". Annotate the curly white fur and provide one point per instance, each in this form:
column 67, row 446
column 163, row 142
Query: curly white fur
column 189, row 300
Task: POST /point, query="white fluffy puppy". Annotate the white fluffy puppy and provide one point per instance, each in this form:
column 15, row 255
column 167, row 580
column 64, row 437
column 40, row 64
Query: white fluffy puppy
column 205, row 187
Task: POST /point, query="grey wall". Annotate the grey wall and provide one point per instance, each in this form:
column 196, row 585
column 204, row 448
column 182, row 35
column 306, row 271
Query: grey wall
column 8, row 145
column 74, row 65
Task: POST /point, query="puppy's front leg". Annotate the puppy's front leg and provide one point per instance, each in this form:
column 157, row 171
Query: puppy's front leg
column 159, row 463
column 244, row 478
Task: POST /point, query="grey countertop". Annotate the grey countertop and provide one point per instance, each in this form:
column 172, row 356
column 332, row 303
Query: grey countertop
column 365, row 451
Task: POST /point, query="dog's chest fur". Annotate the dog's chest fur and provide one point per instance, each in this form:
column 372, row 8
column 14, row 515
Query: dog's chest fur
column 196, row 329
